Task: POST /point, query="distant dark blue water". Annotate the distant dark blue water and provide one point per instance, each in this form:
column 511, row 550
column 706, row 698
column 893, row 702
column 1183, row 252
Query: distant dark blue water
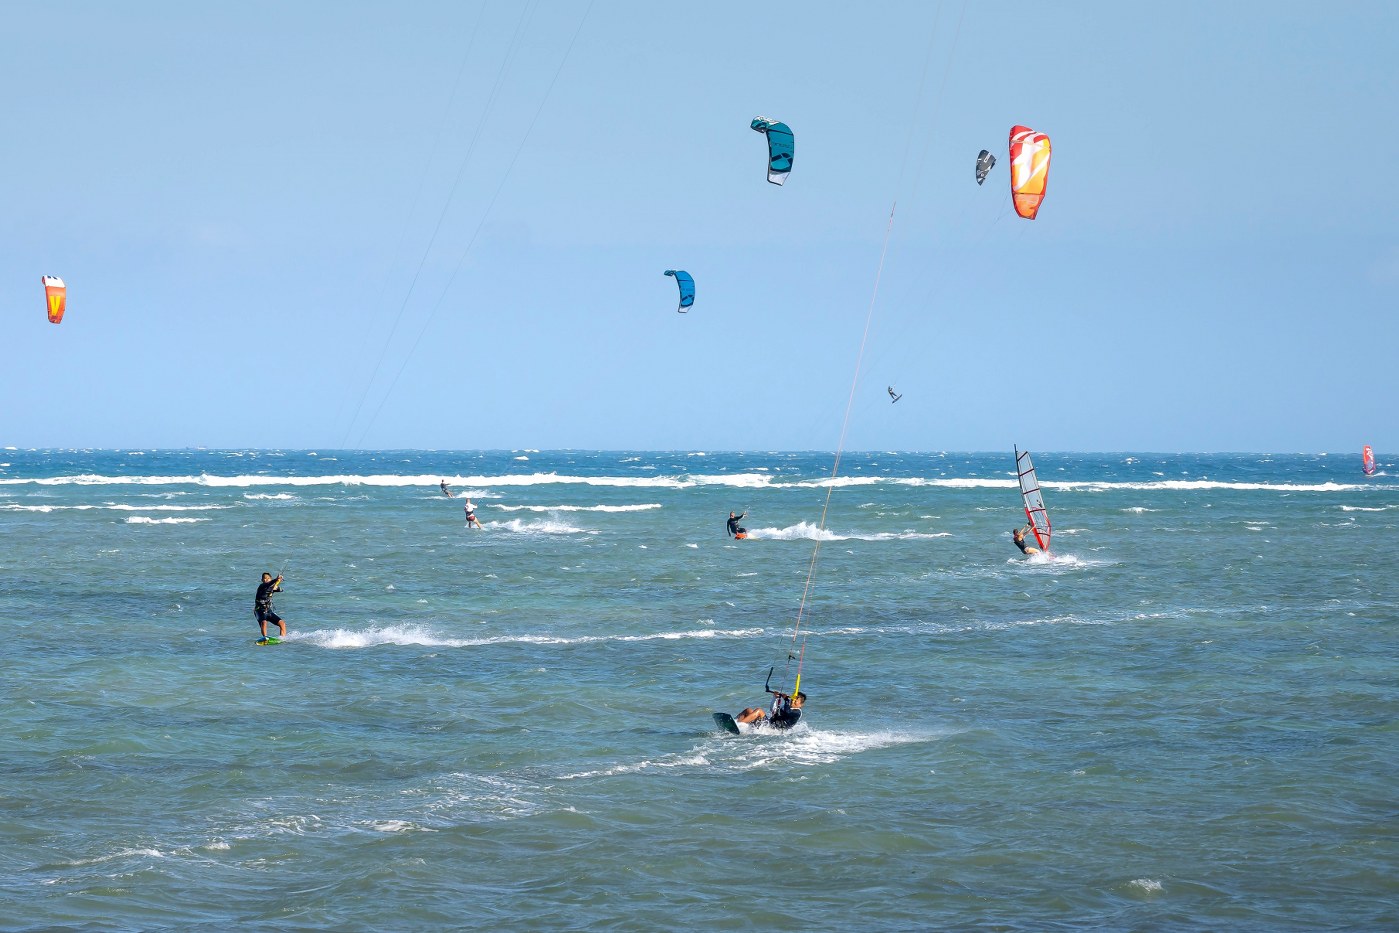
column 1184, row 720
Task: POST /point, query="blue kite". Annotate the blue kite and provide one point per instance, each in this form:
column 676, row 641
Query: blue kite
column 687, row 288
column 780, row 147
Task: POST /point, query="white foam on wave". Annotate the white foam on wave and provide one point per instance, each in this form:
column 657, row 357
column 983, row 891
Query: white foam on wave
column 686, row 760
column 412, row 633
column 277, row 496
column 763, row 748
column 807, row 746
column 748, row 480
column 541, row 527
column 1139, row 510
column 578, row 508
column 119, row 854
column 1148, row 885
column 147, row 520
column 811, row 532
column 684, row 481
column 1056, row 562
column 15, row 507
column 1366, row 508
column 394, row 826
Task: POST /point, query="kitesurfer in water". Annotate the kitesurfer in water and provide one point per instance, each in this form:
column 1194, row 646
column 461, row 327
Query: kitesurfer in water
column 1018, row 536
column 445, row 491
column 262, row 604
column 785, row 712
column 734, row 530
column 470, row 510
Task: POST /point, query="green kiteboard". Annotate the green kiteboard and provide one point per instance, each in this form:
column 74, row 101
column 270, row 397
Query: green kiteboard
column 269, row 640
column 726, row 722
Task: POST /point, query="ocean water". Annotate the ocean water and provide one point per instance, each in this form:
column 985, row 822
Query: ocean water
column 1185, row 720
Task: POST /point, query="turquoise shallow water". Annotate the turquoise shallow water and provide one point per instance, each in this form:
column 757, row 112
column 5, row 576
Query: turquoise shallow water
column 1187, row 720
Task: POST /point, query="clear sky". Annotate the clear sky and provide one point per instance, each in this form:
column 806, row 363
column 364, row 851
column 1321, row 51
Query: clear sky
column 239, row 197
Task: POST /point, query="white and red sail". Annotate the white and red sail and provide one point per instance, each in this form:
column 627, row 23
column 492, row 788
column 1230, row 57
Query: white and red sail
column 1035, row 511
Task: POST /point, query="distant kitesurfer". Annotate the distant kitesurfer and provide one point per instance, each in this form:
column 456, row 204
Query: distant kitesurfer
column 262, row 604
column 894, row 395
column 1018, row 536
column 470, row 509
column 445, row 491
column 734, row 530
column 785, row 712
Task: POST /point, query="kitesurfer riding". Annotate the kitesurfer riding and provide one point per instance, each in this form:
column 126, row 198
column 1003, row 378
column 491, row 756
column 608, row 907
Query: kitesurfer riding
column 734, row 530
column 1018, row 536
column 470, row 510
column 785, row 712
column 445, row 491
column 262, row 604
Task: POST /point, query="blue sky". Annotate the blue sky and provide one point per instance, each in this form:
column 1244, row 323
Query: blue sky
column 239, row 197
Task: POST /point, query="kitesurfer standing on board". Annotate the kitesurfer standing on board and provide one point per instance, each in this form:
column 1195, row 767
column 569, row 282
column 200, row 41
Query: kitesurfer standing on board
column 470, row 510
column 445, row 491
column 262, row 604
column 1018, row 536
column 786, row 711
column 734, row 530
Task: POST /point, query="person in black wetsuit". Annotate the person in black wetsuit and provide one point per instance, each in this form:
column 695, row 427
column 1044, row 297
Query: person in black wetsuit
column 1018, row 536
column 785, row 713
column 734, row 529
column 445, row 491
column 262, row 604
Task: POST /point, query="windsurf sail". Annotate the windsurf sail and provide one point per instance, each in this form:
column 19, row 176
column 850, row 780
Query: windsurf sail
column 781, row 147
column 1034, row 502
column 56, row 297
column 1368, row 456
column 687, row 288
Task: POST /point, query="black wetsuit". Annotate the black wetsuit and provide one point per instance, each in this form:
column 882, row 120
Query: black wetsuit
column 733, row 525
column 783, row 715
column 262, row 603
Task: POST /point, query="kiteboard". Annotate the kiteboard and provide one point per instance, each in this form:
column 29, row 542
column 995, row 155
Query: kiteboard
column 726, row 722
column 269, row 640
column 741, row 536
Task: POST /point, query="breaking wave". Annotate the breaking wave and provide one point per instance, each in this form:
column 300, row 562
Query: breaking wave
column 577, row 508
column 424, row 635
column 809, row 531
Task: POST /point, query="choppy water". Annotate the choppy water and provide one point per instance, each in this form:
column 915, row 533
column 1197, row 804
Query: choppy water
column 1187, row 720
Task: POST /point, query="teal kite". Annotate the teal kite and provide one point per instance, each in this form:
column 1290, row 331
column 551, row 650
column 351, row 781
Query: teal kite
column 687, row 288
column 780, row 147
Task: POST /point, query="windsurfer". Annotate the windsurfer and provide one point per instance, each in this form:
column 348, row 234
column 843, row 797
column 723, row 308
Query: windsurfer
column 734, row 530
column 1018, row 536
column 785, row 711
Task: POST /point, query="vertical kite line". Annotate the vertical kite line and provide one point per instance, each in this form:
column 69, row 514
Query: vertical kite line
column 484, row 216
column 412, row 209
column 525, row 15
column 844, row 428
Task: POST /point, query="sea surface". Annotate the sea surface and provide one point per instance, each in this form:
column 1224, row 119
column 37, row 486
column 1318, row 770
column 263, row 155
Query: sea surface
column 1186, row 719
